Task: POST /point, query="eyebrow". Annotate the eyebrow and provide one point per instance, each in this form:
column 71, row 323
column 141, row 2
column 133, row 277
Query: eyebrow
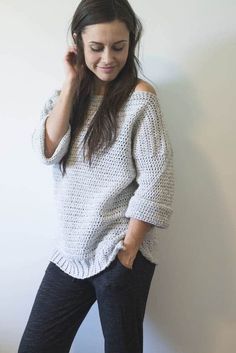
column 120, row 41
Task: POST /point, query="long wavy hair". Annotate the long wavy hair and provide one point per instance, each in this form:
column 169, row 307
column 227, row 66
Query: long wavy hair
column 102, row 130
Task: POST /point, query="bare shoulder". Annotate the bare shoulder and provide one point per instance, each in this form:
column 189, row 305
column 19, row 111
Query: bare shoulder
column 145, row 87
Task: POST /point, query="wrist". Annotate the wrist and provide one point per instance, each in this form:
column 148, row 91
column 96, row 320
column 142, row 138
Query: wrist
column 69, row 85
column 131, row 248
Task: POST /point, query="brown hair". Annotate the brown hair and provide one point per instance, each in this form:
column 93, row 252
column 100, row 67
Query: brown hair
column 102, row 130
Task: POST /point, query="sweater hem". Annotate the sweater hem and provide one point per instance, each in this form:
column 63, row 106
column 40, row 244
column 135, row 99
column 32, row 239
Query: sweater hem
column 84, row 268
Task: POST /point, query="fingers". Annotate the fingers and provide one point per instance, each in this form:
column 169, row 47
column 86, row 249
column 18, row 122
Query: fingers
column 73, row 48
column 71, row 51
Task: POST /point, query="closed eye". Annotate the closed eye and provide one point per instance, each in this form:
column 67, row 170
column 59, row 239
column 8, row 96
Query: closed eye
column 118, row 49
column 96, row 49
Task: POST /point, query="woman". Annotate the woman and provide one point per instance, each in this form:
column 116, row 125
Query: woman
column 104, row 135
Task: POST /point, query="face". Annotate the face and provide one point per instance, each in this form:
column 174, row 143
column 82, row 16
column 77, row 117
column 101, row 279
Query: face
column 106, row 48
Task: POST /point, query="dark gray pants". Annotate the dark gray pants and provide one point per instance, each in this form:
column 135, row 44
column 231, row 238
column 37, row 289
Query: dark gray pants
column 62, row 303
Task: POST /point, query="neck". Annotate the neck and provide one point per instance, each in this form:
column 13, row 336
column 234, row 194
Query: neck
column 99, row 87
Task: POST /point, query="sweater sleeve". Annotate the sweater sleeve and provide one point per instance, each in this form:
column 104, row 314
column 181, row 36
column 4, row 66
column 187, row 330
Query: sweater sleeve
column 153, row 157
column 38, row 135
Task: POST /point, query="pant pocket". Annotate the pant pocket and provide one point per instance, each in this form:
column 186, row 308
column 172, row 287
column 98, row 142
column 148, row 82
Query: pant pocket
column 121, row 265
column 145, row 260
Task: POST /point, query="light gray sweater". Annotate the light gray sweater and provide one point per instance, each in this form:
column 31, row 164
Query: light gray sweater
column 134, row 178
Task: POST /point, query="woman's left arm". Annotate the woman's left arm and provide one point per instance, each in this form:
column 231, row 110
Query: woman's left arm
column 133, row 239
column 151, row 204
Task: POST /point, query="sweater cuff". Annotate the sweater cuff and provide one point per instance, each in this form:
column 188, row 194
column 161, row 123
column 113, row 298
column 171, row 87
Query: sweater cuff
column 38, row 141
column 149, row 211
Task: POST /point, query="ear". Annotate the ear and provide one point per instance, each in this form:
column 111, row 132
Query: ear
column 74, row 35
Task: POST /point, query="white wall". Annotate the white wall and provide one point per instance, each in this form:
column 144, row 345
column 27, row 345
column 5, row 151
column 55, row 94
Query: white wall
column 189, row 52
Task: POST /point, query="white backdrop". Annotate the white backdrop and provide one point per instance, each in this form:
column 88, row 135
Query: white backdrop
column 189, row 52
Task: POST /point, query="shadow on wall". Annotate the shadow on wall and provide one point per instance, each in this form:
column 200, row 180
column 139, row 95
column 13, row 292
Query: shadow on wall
column 192, row 299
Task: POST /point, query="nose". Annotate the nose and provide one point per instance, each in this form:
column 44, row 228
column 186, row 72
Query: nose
column 107, row 57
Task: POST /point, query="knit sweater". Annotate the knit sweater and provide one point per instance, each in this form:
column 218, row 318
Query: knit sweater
column 133, row 178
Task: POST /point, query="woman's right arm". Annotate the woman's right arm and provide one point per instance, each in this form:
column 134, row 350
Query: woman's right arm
column 51, row 137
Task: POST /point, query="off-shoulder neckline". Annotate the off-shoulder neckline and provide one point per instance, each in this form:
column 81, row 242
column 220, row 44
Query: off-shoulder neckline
column 132, row 95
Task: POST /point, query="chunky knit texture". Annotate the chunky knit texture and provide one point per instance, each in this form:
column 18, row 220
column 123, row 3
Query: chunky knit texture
column 134, row 178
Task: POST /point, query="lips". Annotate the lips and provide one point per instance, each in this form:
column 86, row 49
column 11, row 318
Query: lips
column 107, row 68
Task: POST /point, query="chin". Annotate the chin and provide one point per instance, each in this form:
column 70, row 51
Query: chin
column 106, row 78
